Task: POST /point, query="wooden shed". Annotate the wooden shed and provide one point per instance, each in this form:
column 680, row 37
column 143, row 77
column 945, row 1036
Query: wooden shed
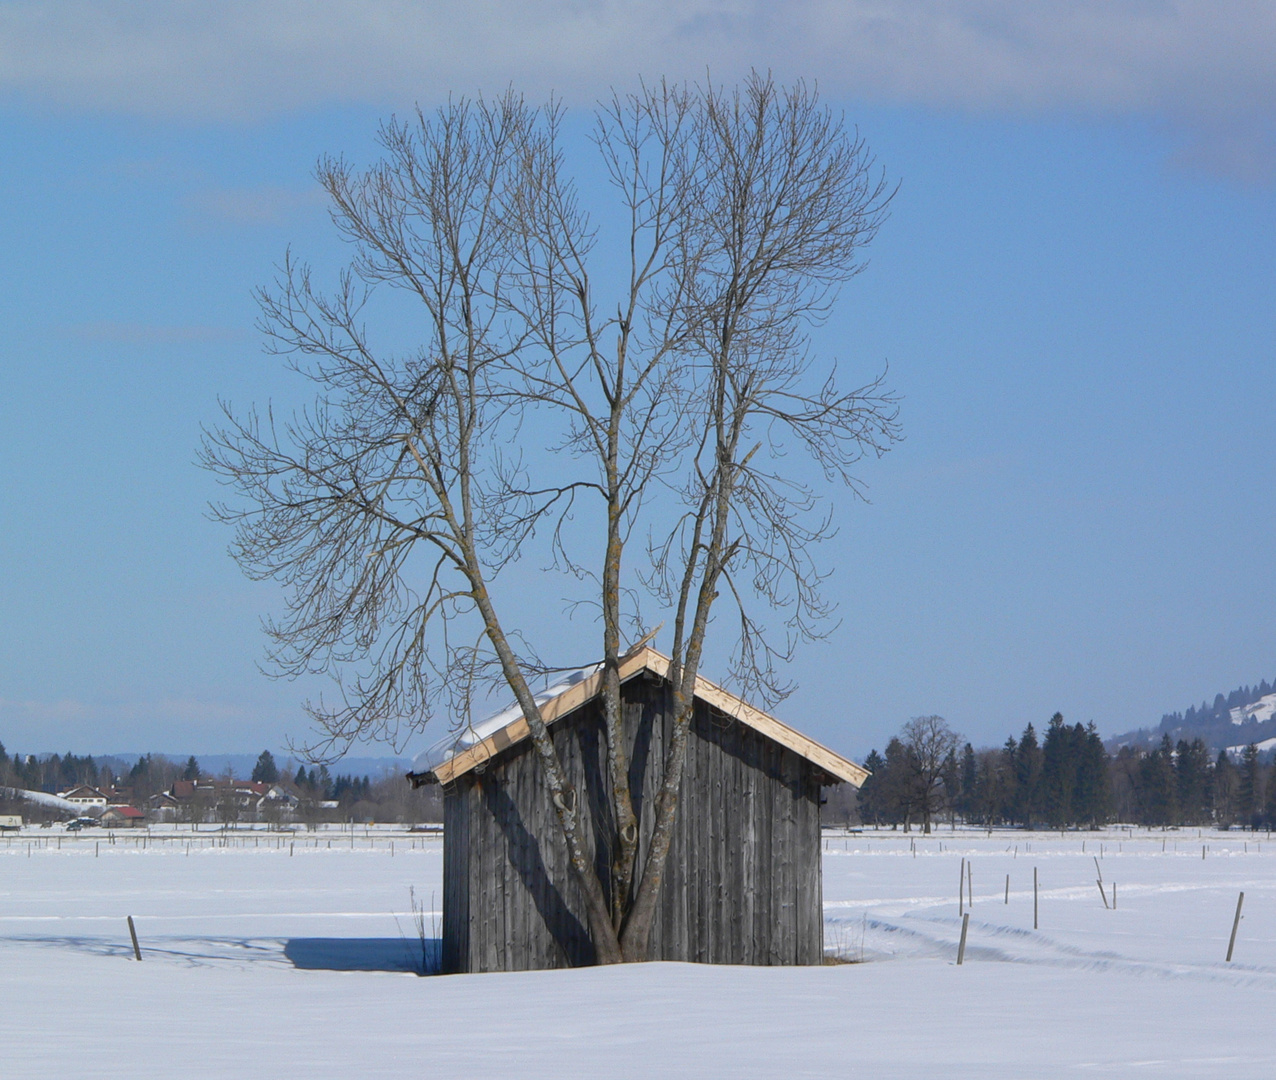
column 743, row 878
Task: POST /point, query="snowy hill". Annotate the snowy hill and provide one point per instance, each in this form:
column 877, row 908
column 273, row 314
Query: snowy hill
column 1260, row 711
column 1246, row 715
column 1263, row 746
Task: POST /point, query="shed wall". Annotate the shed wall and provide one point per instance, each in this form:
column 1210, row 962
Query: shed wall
column 742, row 882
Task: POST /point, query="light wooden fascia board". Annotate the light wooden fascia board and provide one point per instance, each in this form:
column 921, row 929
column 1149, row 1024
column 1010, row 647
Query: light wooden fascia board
column 647, row 659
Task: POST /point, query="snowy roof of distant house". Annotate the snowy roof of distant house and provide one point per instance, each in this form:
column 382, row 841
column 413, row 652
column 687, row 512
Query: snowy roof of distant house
column 463, row 751
column 218, row 785
column 125, row 812
column 82, row 791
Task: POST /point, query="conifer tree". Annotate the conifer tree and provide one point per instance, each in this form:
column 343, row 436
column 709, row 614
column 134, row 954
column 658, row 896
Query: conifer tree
column 1224, row 791
column 1027, row 778
column 952, row 785
column 1191, row 770
column 870, row 798
column 1008, row 787
column 1093, row 797
column 1058, row 773
column 1248, row 787
column 1269, row 804
column 266, row 771
column 969, row 783
column 1157, row 788
column 898, row 803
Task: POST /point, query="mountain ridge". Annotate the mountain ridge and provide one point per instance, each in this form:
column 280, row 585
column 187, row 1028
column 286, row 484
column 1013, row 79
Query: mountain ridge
column 1246, row 715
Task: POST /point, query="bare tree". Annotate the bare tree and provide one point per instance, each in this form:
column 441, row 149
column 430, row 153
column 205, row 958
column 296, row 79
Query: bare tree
column 390, row 508
column 928, row 743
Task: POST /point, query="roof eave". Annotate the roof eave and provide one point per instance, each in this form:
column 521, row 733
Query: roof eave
column 841, row 769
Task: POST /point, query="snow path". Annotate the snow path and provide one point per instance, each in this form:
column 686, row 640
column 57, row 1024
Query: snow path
column 255, row 959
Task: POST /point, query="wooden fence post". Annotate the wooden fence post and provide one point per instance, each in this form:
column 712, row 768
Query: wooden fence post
column 132, row 932
column 1236, row 922
column 961, row 945
column 1034, row 898
column 970, row 885
column 1007, row 888
column 961, row 888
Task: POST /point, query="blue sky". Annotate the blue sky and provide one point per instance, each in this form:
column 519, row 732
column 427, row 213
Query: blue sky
column 1074, row 293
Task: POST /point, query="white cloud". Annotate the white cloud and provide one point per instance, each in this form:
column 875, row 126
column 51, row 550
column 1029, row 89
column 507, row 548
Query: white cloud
column 1204, row 67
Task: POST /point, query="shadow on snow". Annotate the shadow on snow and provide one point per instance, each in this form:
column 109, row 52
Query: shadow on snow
column 365, row 954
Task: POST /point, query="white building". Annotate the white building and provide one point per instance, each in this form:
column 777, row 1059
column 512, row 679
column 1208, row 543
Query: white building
column 83, row 795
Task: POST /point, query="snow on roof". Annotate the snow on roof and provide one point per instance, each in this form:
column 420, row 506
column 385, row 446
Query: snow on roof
column 80, row 791
column 473, row 734
column 458, row 754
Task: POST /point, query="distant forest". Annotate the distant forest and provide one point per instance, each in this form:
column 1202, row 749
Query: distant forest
column 1068, row 779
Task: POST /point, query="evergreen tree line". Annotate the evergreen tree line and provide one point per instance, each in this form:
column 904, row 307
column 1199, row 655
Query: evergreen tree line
column 1068, row 780
column 52, row 773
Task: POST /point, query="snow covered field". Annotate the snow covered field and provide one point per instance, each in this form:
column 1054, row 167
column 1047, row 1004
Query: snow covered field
column 261, row 959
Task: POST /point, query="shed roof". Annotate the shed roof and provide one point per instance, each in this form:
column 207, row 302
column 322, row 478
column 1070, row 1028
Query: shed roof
column 478, row 744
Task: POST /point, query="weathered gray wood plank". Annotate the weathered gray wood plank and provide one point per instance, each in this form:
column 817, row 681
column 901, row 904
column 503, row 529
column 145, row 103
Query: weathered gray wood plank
column 742, row 883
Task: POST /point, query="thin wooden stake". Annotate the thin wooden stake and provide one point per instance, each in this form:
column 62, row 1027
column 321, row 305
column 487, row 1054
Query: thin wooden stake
column 1099, row 883
column 1096, row 867
column 961, row 888
column 970, row 885
column 1034, row 898
column 1007, row 888
column 1236, row 922
column 132, row 932
column 961, row 945
column 1114, row 896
